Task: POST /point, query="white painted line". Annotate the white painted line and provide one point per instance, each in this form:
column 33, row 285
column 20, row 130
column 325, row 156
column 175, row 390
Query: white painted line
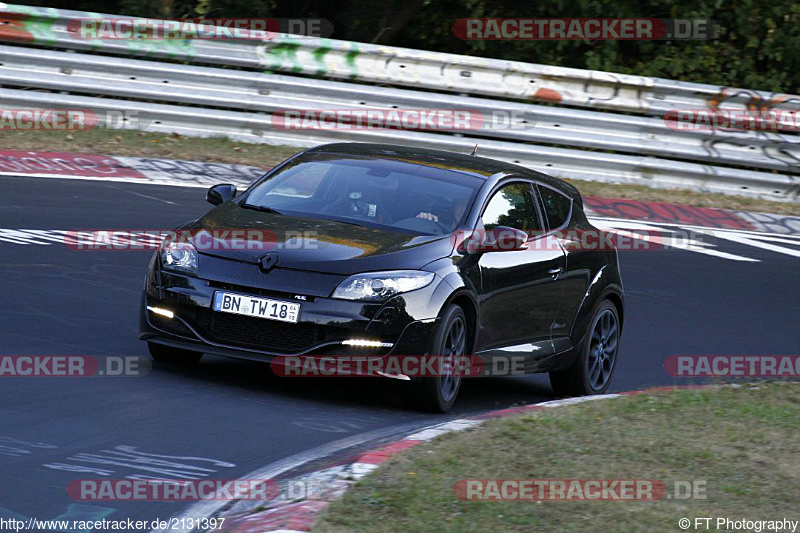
column 743, row 238
column 105, row 179
column 454, row 425
column 209, row 180
column 359, row 470
column 202, row 510
column 680, row 225
column 690, row 245
column 579, row 399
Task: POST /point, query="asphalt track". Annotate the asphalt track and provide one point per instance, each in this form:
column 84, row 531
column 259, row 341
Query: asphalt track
column 227, row 418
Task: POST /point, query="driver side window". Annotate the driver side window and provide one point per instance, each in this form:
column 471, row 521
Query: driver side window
column 512, row 206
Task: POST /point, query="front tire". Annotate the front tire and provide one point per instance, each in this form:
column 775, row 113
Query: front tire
column 594, row 367
column 173, row 356
column 438, row 394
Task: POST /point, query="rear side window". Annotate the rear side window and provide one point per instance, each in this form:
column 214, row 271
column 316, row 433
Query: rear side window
column 557, row 206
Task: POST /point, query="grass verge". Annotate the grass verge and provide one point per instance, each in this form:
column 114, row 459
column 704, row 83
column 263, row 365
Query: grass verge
column 741, row 441
column 141, row 144
column 222, row 150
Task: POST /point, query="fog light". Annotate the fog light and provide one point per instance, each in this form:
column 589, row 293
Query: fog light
column 161, row 311
column 364, row 343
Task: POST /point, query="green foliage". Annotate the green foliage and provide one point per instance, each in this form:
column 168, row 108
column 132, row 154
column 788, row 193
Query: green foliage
column 758, row 46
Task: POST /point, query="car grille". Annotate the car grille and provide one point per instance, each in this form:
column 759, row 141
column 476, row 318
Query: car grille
column 258, row 333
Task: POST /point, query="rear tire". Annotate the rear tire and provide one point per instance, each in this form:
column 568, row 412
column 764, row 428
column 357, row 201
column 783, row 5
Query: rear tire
column 438, row 394
column 594, row 367
column 173, row 356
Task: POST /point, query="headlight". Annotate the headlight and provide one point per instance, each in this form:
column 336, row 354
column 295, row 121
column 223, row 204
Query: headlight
column 179, row 256
column 375, row 286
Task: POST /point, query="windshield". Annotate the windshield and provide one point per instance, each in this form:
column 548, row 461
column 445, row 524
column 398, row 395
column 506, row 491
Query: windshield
column 370, row 192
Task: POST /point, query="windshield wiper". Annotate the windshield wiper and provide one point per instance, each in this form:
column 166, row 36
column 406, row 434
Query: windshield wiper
column 350, row 222
column 263, row 208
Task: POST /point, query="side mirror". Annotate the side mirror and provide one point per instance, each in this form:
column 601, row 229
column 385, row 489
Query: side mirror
column 497, row 239
column 220, row 193
column 511, row 239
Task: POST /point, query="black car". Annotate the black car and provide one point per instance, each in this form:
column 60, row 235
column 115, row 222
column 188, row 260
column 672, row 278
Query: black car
column 365, row 261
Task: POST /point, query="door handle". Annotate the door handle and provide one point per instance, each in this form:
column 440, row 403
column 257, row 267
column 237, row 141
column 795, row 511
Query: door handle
column 555, row 272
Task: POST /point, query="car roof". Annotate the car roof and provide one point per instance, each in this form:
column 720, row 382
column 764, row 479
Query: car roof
column 481, row 167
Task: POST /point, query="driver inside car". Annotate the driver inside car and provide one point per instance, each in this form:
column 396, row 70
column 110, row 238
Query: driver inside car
column 448, row 215
column 366, row 205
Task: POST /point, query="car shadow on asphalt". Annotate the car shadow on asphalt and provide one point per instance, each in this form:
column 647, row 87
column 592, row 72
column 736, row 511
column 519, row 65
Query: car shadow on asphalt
column 476, row 395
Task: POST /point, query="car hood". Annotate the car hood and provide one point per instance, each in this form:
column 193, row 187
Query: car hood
column 319, row 245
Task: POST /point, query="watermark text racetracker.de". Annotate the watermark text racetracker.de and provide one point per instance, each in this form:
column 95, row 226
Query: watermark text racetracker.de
column 173, row 489
column 200, row 239
column 74, row 366
column 779, row 120
column 578, row 490
column 406, row 366
column 138, row 28
column 369, row 363
column 504, row 239
column 70, row 119
column 758, row 366
column 579, row 29
column 412, row 119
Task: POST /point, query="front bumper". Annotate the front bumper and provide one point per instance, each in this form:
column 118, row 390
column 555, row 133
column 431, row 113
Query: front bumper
column 407, row 322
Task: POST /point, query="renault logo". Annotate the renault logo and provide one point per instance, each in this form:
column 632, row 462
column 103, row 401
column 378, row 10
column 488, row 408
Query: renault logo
column 268, row 261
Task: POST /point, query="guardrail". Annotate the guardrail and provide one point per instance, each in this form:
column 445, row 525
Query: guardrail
column 631, row 144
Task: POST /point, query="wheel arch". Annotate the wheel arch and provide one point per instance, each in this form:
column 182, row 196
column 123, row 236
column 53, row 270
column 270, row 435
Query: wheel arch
column 616, row 299
column 606, row 285
column 466, row 302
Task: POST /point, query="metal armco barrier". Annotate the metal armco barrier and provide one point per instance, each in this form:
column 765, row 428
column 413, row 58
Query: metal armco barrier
column 620, row 135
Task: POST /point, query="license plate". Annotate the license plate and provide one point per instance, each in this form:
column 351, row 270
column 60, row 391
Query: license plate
column 239, row 304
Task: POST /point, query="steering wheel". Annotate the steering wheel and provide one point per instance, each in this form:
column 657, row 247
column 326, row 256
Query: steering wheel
column 344, row 208
column 425, row 225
